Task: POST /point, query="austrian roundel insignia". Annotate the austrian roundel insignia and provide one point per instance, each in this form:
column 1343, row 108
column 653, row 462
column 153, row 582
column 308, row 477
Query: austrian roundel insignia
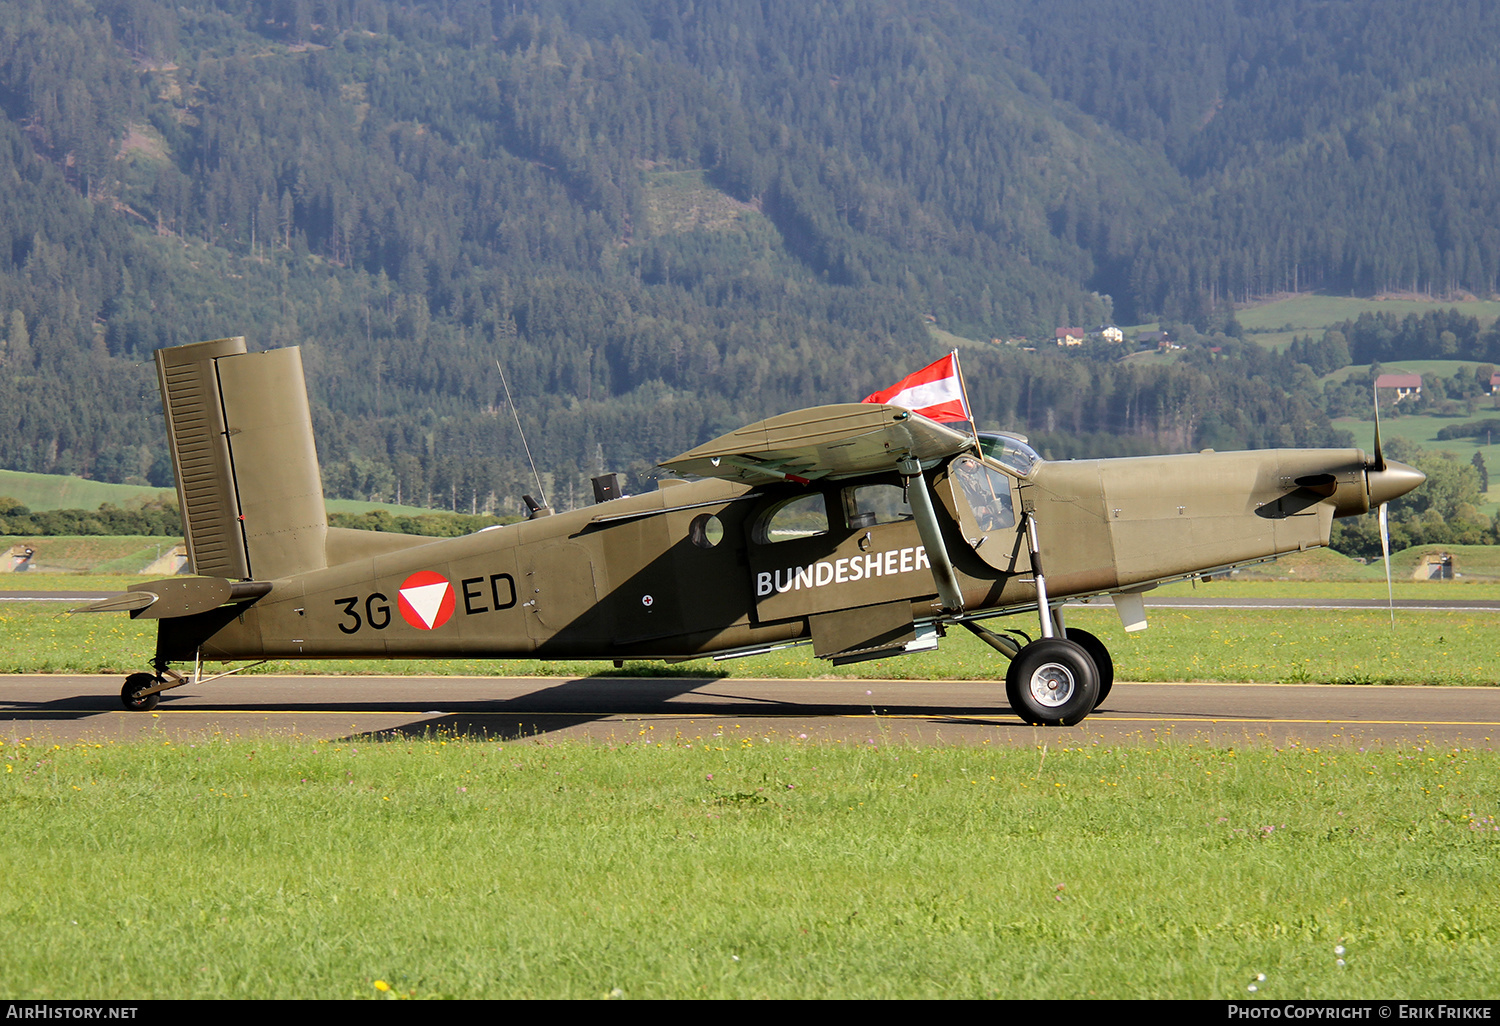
column 426, row 600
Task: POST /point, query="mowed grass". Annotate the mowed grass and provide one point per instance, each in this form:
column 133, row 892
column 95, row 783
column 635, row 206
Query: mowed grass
column 1312, row 645
column 1312, row 314
column 64, row 491
column 739, row 866
column 1323, row 573
column 1440, row 368
column 65, row 560
column 1312, row 310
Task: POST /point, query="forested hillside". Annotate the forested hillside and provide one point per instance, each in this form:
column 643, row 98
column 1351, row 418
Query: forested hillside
column 665, row 219
column 1343, row 146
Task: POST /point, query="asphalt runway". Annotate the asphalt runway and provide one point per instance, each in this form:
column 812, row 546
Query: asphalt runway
column 64, row 709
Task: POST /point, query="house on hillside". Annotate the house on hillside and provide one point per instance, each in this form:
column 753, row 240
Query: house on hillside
column 1110, row 333
column 1070, row 336
column 1494, row 384
column 1404, row 384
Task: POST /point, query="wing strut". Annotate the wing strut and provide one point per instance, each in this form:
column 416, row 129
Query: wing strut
column 943, row 573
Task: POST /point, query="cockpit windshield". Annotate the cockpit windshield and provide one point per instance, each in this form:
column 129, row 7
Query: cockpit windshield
column 1010, row 451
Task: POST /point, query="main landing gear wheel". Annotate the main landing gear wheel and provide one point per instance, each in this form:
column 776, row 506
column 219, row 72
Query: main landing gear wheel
column 1052, row 682
column 131, row 695
column 1102, row 661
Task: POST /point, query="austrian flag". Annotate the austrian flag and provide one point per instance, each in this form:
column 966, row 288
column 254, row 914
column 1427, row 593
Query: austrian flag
column 936, row 392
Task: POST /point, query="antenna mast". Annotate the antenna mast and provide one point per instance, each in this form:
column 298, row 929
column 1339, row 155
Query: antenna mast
column 541, row 493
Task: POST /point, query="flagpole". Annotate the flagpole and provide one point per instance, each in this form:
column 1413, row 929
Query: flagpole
column 963, row 387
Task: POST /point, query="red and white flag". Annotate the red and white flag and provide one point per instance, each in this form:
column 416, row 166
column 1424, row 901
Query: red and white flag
column 935, row 391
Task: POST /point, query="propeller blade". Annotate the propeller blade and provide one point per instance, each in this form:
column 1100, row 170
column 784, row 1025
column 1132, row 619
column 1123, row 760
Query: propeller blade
column 1379, row 452
column 1385, row 552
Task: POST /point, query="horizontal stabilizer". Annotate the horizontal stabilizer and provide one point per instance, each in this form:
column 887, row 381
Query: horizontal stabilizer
column 124, row 602
column 846, row 440
column 177, row 596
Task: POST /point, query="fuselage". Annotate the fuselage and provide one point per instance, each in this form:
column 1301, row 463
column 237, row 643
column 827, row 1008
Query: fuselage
column 714, row 566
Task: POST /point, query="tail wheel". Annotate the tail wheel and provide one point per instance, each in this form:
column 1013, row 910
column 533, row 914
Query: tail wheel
column 1102, row 661
column 1052, row 682
column 131, row 693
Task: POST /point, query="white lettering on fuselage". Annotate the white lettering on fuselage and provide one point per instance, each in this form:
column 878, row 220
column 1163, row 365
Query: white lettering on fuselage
column 841, row 571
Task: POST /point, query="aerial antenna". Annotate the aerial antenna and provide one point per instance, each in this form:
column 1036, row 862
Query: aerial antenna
column 514, row 413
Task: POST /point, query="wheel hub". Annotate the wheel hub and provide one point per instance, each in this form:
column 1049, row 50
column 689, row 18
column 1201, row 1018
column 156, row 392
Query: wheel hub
column 1052, row 685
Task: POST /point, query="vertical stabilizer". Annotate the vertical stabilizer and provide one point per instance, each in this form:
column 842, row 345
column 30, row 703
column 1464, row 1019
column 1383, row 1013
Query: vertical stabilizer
column 242, row 447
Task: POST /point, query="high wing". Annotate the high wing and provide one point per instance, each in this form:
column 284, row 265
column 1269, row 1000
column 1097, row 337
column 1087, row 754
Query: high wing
column 844, row 440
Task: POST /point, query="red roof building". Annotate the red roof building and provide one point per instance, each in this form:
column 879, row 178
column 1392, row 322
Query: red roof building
column 1404, row 384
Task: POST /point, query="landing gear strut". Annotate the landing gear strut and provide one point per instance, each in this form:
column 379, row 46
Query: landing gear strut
column 1062, row 676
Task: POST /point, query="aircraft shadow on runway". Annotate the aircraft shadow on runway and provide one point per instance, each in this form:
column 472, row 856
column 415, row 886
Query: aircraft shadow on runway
column 589, row 700
column 539, row 713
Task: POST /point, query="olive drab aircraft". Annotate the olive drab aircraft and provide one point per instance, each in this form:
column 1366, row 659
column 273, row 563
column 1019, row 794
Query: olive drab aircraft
column 865, row 530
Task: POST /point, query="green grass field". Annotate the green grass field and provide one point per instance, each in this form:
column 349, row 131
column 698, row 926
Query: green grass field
column 1441, row 368
column 1312, row 314
column 62, row 491
column 59, row 491
column 358, row 506
column 65, row 557
column 1313, row 310
column 1423, row 429
column 745, row 866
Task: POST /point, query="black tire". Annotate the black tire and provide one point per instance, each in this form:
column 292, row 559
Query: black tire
column 131, row 695
column 1052, row 682
column 1101, row 657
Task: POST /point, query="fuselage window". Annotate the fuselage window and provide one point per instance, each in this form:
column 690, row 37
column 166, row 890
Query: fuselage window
column 706, row 530
column 987, row 492
column 802, row 517
column 869, row 505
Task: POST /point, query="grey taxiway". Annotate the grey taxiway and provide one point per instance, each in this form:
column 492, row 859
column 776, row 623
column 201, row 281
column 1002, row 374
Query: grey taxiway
column 617, row 709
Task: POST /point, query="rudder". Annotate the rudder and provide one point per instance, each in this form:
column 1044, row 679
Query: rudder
column 247, row 471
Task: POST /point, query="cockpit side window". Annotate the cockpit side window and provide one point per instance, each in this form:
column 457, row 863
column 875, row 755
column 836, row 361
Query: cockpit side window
column 1010, row 451
column 870, row 505
column 803, row 517
column 987, row 492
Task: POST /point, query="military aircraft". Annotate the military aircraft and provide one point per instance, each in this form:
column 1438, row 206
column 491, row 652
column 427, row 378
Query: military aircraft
column 864, row 529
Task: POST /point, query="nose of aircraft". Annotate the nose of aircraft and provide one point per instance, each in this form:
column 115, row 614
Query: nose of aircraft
column 1392, row 482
